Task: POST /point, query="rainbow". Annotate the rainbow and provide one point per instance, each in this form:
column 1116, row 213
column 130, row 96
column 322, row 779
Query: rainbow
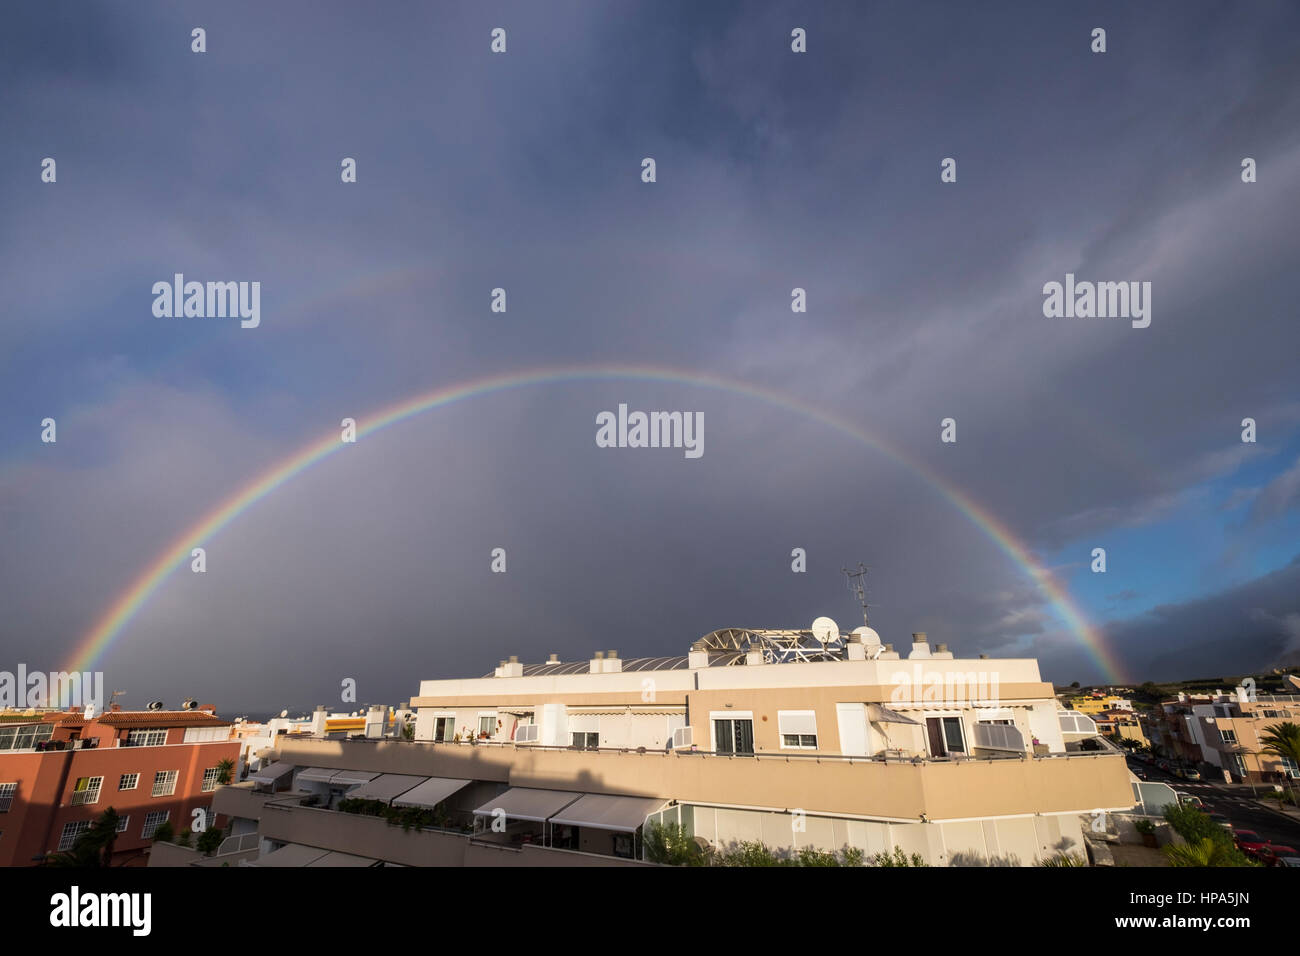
column 115, row 619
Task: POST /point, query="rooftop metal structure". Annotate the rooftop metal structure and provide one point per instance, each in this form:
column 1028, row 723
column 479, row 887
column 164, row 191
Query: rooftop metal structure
column 727, row 647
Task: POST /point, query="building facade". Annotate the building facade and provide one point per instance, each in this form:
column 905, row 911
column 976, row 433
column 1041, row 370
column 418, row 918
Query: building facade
column 791, row 738
column 60, row 770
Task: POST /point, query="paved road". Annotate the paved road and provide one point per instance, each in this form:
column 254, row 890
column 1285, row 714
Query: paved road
column 1234, row 801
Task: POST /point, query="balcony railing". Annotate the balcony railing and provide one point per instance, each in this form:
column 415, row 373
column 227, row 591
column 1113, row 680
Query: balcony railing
column 893, row 757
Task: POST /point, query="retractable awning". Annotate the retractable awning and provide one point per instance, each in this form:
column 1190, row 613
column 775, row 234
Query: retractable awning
column 525, row 803
column 342, row 859
column 606, row 812
column 880, row 714
column 272, row 773
column 349, row 778
column 386, row 786
column 317, row 774
column 291, row 854
column 429, row 794
column 337, row 778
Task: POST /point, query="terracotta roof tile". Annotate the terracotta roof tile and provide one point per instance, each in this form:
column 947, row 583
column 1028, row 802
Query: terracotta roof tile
column 161, row 718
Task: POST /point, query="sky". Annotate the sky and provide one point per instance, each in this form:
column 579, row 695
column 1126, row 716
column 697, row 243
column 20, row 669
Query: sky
column 522, row 170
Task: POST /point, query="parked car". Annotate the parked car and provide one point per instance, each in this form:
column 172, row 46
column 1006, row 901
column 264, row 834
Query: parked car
column 1192, row 774
column 1248, row 841
column 1189, row 800
column 1289, row 861
column 1271, row 854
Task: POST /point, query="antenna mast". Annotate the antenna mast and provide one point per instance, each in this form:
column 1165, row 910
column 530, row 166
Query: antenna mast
column 856, row 581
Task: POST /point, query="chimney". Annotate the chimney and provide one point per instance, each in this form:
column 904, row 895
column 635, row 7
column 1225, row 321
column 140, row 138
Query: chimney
column 597, row 663
column 318, row 721
column 854, row 649
column 612, row 664
column 942, row 653
column 512, row 667
column 888, row 654
column 920, row 647
column 698, row 657
column 553, row 659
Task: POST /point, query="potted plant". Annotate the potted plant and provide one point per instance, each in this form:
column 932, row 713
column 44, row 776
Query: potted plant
column 1147, row 830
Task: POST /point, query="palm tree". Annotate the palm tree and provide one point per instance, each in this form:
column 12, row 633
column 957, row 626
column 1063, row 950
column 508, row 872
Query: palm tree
column 94, row 847
column 1203, row 852
column 1282, row 740
column 225, row 771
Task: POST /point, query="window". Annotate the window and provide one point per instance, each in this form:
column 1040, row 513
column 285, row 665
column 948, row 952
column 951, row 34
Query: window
column 584, row 730
column 152, row 821
column 128, row 781
column 487, row 725
column 68, row 838
column 199, row 735
column 1289, row 767
column 164, row 783
column 7, row 791
column 122, row 822
column 86, row 791
column 733, row 735
column 1239, row 762
column 444, row 728
column 798, row 729
column 155, row 737
column 25, row 736
column 1229, row 736
column 210, row 779
column 945, row 735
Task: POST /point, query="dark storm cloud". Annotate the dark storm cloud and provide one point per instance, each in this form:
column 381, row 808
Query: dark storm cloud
column 1253, row 627
column 475, row 171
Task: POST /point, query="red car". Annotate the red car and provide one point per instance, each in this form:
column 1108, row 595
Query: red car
column 1248, row 841
column 1272, row 853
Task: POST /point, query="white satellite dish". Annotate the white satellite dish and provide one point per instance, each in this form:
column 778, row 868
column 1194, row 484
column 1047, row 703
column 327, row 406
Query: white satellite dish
column 867, row 635
column 284, row 713
column 825, row 630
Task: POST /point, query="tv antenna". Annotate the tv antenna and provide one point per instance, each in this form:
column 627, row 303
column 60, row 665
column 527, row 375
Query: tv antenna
column 857, row 583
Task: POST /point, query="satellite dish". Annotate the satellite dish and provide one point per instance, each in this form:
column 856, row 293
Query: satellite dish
column 867, row 635
column 284, row 713
column 190, row 704
column 155, row 705
column 825, row 630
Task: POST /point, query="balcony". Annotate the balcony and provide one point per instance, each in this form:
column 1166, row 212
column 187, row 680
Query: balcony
column 898, row 789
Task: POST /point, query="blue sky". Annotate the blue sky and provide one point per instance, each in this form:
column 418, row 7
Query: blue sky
column 522, row 171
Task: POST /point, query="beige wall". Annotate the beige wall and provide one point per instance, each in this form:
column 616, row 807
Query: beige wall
column 903, row 791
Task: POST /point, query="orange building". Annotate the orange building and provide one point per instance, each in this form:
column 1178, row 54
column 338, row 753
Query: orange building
column 60, row 770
